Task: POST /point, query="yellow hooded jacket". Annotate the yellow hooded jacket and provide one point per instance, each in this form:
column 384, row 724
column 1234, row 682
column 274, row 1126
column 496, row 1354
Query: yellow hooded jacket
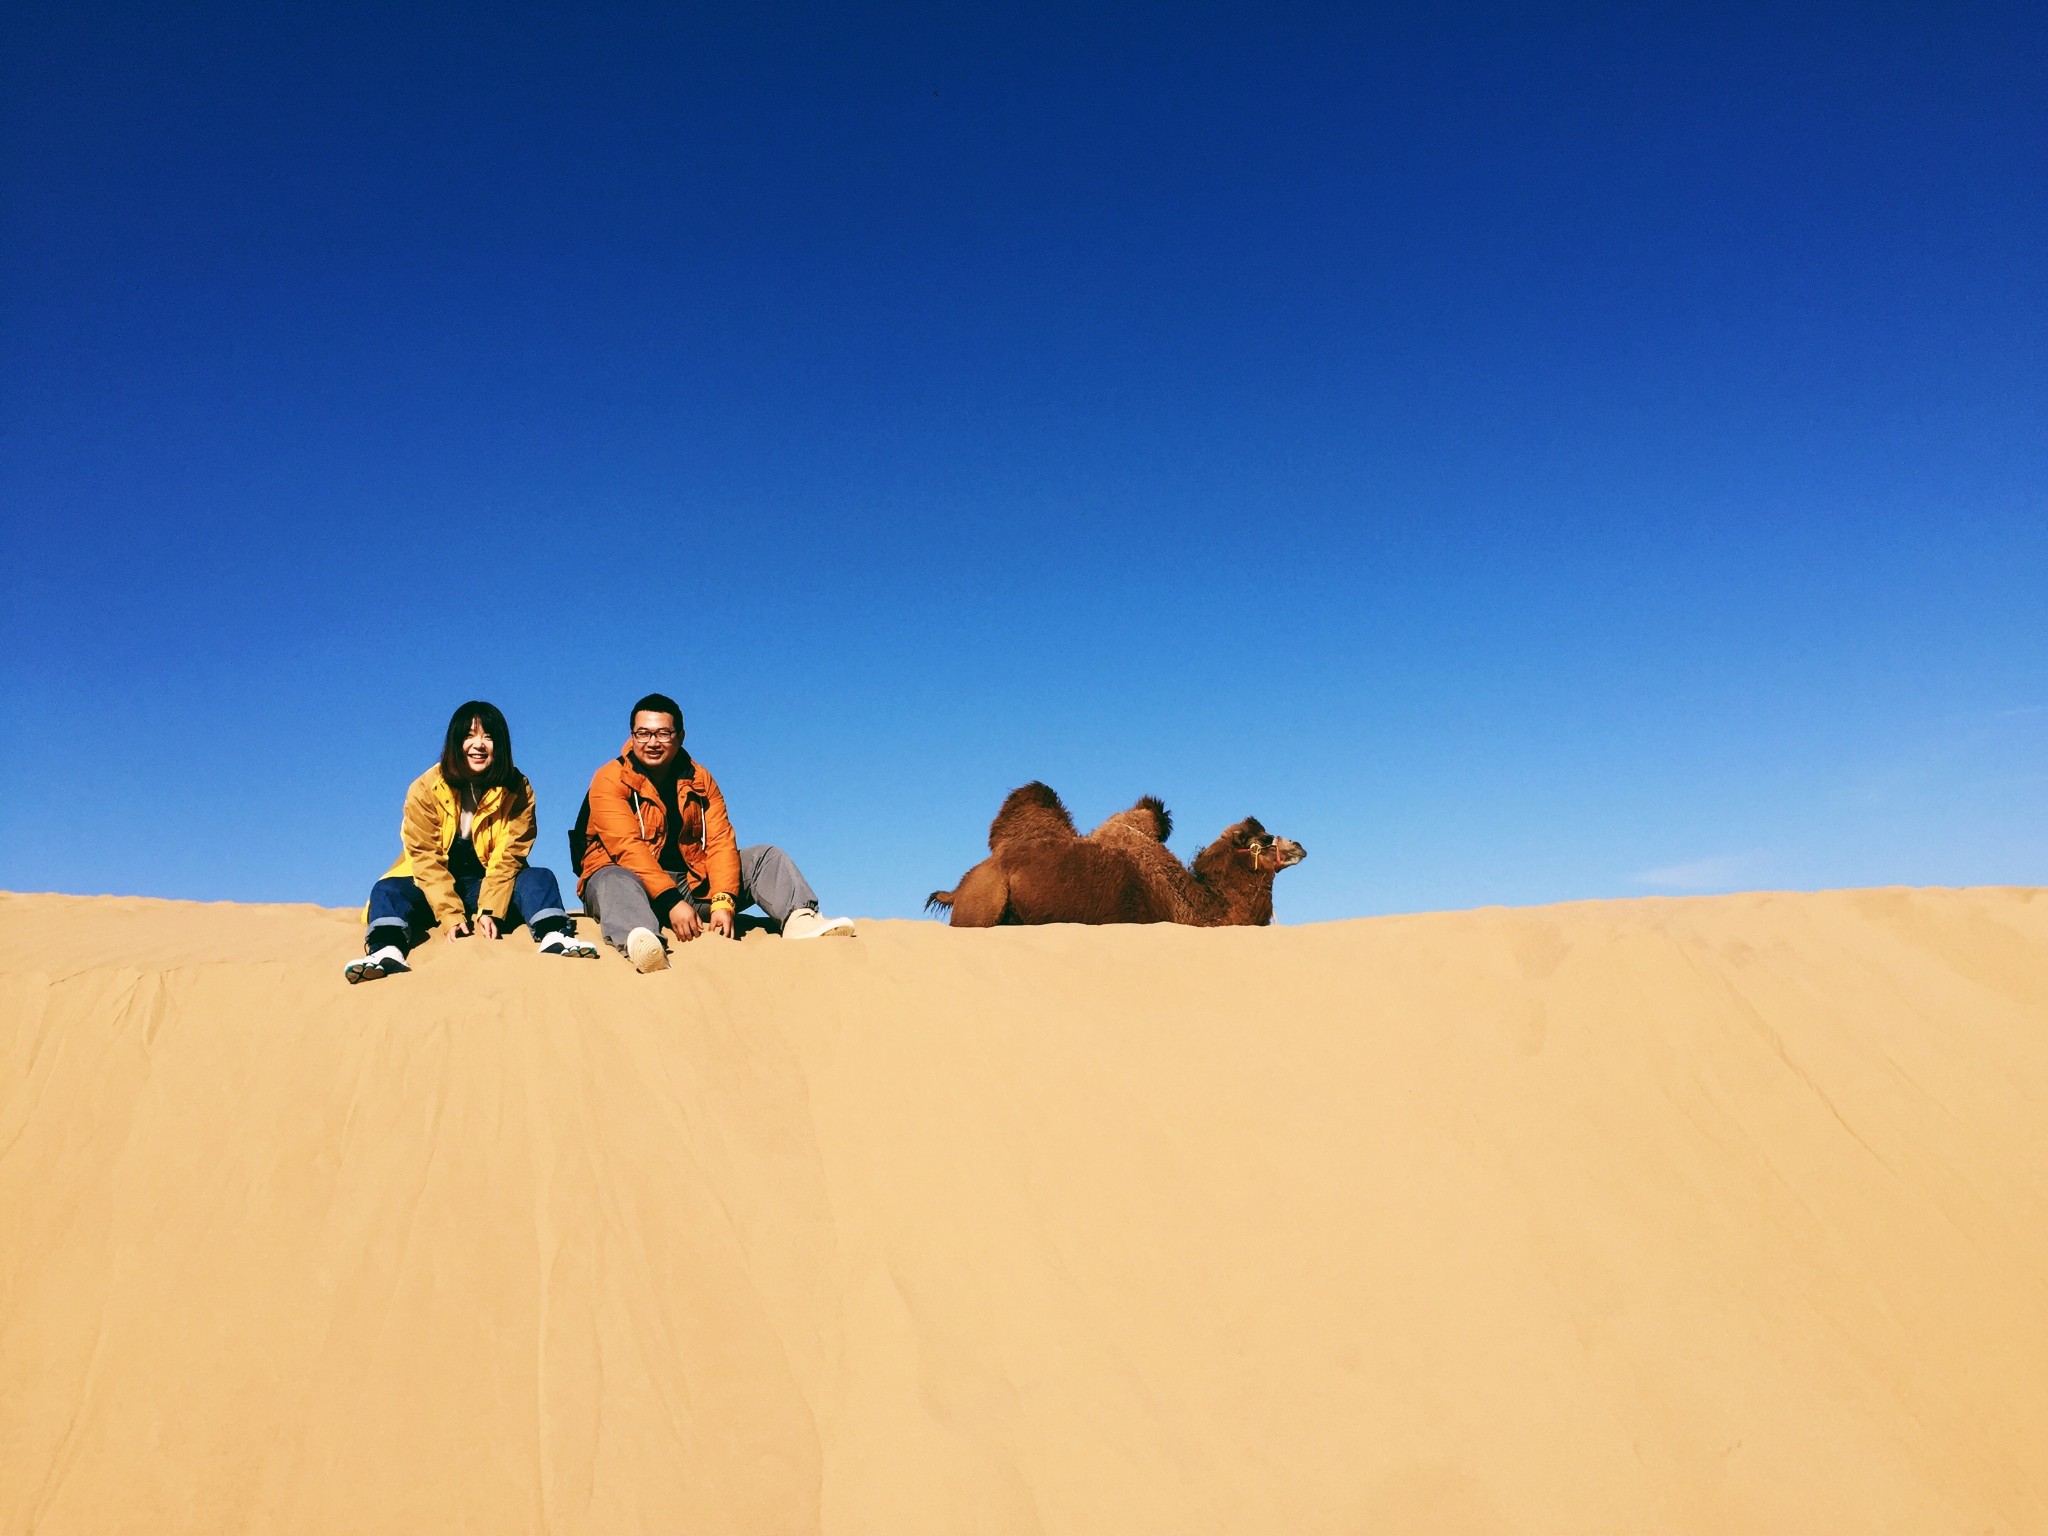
column 501, row 829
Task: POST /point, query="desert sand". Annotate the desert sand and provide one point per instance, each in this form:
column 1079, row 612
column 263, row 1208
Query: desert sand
column 1715, row 1215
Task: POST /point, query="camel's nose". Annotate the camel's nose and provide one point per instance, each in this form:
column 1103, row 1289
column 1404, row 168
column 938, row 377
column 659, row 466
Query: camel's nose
column 1290, row 851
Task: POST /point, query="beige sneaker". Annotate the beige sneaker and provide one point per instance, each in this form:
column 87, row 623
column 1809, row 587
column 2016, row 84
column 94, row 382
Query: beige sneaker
column 643, row 948
column 803, row 923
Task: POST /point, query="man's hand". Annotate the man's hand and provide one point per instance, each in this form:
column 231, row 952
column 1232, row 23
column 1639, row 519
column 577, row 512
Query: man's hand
column 721, row 921
column 458, row 931
column 684, row 922
column 487, row 925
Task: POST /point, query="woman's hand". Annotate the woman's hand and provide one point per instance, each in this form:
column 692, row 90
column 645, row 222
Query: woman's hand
column 684, row 922
column 457, row 931
column 721, row 921
column 487, row 925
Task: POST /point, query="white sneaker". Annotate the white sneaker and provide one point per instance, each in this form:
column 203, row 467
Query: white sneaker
column 804, row 923
column 563, row 943
column 643, row 948
column 388, row 961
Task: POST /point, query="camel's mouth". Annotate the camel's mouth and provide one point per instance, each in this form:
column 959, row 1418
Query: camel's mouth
column 1286, row 851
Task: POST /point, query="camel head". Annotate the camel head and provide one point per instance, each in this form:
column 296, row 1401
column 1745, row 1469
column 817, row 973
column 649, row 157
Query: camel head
column 1242, row 863
column 1249, row 846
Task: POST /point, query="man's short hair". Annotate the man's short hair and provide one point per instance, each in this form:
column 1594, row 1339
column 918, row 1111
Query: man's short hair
column 661, row 704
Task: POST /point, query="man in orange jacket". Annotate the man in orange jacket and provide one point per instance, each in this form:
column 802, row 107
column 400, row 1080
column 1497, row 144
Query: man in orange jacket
column 654, row 846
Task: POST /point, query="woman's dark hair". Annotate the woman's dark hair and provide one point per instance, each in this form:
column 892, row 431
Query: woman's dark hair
column 455, row 767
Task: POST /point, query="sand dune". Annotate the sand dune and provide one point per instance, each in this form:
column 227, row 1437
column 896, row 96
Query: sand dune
column 1724, row 1215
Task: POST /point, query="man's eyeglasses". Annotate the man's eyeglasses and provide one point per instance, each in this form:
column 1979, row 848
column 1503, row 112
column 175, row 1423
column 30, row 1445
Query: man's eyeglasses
column 664, row 734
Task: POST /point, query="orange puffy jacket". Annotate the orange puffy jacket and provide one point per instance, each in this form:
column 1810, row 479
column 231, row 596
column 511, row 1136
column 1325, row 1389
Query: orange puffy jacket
column 627, row 825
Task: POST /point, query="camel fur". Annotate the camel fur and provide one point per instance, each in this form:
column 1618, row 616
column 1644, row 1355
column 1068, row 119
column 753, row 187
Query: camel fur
column 1040, row 870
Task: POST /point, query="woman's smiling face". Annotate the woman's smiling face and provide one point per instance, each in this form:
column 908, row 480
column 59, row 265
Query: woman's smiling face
column 478, row 749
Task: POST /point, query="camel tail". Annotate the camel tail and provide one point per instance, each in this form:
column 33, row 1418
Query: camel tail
column 939, row 901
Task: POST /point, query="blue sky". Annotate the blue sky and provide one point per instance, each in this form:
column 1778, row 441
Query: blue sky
column 1523, row 453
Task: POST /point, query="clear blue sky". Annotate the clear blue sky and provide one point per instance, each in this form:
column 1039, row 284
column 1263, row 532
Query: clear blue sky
column 1524, row 453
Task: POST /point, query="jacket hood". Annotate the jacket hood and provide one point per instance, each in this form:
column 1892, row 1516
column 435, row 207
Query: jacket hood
column 685, row 765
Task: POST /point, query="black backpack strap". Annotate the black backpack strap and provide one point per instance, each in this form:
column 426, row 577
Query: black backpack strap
column 579, row 838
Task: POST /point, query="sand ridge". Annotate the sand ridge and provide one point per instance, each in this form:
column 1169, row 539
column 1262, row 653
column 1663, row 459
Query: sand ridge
column 1714, row 1215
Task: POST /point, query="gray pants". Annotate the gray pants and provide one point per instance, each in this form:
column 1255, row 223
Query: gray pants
column 768, row 877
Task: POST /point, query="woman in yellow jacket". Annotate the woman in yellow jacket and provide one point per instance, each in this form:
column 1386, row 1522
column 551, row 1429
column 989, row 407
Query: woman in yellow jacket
column 466, row 831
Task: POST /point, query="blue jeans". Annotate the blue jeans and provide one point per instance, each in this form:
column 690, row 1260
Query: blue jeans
column 398, row 908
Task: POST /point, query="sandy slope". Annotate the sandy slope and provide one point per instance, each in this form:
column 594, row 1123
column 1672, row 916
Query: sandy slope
column 1722, row 1215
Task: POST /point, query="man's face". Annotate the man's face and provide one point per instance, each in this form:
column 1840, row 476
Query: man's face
column 655, row 737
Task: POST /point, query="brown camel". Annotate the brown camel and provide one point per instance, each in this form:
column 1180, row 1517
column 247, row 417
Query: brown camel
column 1039, row 870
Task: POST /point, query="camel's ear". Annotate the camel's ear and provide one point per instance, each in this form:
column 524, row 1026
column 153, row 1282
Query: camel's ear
column 1246, row 830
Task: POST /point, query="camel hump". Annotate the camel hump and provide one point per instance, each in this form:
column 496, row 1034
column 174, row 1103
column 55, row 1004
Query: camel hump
column 1031, row 813
column 1161, row 816
column 1149, row 821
